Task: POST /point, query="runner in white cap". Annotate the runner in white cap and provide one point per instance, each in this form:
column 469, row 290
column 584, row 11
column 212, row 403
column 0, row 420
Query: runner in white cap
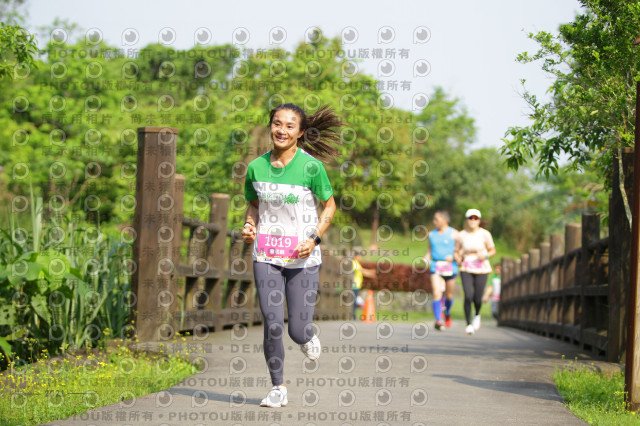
column 474, row 246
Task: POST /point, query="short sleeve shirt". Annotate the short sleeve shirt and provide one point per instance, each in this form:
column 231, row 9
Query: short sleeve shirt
column 287, row 212
column 475, row 242
column 442, row 245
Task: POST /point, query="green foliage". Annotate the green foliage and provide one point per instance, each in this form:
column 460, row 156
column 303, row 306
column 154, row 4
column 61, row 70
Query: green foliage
column 73, row 126
column 17, row 47
column 591, row 113
column 70, row 127
column 459, row 178
column 594, row 397
column 61, row 286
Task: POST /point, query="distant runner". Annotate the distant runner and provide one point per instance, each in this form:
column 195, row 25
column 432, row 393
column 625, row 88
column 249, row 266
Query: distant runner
column 474, row 246
column 493, row 291
column 359, row 273
column 443, row 267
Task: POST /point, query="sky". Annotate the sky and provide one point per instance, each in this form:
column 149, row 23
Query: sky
column 466, row 47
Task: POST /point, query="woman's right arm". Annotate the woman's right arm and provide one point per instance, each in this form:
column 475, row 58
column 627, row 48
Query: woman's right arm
column 249, row 231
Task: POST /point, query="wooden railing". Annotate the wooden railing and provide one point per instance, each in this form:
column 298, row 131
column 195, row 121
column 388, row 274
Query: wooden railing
column 574, row 286
column 213, row 286
column 561, row 288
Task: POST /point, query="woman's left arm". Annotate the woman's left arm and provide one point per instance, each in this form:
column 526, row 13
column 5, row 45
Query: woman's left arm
column 489, row 244
column 326, row 216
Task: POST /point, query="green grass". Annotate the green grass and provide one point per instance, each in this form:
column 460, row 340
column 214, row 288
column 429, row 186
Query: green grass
column 58, row 388
column 397, row 312
column 403, row 249
column 594, row 397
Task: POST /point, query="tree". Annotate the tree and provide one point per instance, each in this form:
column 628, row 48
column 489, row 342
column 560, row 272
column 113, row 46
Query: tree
column 17, row 47
column 450, row 135
column 591, row 111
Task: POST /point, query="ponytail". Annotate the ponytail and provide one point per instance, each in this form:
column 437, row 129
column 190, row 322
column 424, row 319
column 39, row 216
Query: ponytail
column 320, row 136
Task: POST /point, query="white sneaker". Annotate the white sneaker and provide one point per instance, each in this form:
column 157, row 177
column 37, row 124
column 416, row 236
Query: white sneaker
column 476, row 322
column 277, row 397
column 470, row 329
column 312, row 348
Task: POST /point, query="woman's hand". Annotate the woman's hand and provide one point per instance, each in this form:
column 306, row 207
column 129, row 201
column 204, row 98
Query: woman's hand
column 305, row 248
column 248, row 233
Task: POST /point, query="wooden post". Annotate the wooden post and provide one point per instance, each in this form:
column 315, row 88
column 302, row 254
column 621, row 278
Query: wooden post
column 572, row 238
column 218, row 214
column 534, row 263
column 178, row 198
column 586, row 311
column 525, row 285
column 545, row 252
column 555, row 278
column 557, row 246
column 556, row 250
column 545, row 283
column 632, row 367
column 505, row 276
column 195, row 295
column 152, row 279
column 538, row 314
column 534, row 258
column 590, row 234
column 524, row 261
column 619, row 249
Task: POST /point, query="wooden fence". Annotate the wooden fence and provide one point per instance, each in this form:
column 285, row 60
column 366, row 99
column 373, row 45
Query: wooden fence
column 213, row 286
column 574, row 286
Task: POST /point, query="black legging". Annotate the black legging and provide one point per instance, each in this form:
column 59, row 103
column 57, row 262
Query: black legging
column 473, row 285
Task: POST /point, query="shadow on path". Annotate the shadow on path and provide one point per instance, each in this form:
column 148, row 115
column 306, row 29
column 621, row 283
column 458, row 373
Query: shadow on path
column 540, row 390
column 229, row 398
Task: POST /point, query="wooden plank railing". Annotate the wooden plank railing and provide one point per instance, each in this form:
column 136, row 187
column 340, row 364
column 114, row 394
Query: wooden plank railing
column 564, row 292
column 574, row 287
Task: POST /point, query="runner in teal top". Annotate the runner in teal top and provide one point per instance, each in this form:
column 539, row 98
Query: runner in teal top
column 283, row 188
column 442, row 267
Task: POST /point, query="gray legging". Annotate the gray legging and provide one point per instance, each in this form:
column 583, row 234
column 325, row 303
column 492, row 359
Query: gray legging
column 300, row 287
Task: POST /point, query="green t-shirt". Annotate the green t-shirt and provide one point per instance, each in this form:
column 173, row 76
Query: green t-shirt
column 287, row 206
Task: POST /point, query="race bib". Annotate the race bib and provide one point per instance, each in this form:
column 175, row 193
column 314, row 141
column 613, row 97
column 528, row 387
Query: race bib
column 276, row 242
column 444, row 268
column 473, row 265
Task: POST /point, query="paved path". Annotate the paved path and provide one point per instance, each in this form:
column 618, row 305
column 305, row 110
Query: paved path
column 387, row 373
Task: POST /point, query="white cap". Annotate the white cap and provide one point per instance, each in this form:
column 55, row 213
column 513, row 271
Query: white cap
column 472, row 212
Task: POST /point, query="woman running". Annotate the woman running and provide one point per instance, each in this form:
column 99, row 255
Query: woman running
column 474, row 246
column 283, row 225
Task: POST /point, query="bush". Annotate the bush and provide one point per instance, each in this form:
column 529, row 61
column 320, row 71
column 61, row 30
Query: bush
column 62, row 286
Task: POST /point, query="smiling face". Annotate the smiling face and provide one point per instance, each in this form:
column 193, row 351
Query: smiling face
column 285, row 129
